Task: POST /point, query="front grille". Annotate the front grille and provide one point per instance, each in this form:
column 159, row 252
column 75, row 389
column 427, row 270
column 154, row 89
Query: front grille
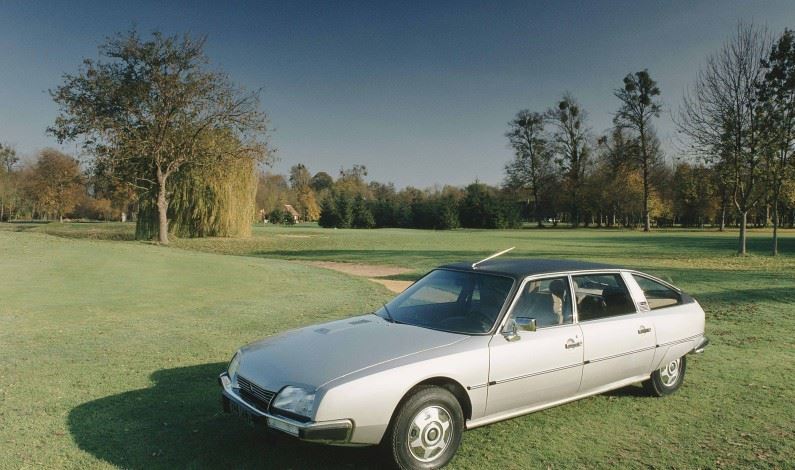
column 255, row 395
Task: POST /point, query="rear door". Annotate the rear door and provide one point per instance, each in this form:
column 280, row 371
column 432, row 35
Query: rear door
column 678, row 321
column 619, row 340
column 541, row 366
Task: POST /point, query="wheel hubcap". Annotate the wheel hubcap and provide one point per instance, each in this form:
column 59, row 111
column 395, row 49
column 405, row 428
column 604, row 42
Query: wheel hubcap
column 670, row 373
column 430, row 433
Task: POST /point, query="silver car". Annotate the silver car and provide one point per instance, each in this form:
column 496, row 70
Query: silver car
column 465, row 346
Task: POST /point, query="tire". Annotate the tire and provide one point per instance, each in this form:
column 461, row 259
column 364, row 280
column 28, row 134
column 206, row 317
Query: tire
column 426, row 430
column 667, row 379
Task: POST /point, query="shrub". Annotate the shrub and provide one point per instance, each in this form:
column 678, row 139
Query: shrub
column 277, row 216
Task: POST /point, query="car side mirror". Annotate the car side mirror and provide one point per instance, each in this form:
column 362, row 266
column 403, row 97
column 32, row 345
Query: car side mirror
column 511, row 331
column 526, row 323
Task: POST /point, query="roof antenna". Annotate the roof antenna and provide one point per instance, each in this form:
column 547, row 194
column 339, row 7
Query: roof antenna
column 475, row 265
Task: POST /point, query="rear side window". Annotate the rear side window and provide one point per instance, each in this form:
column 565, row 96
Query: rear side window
column 658, row 295
column 602, row 296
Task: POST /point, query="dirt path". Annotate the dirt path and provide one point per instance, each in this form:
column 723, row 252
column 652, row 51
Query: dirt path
column 371, row 271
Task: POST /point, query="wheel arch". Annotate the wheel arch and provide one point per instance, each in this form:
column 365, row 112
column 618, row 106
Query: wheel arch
column 451, row 385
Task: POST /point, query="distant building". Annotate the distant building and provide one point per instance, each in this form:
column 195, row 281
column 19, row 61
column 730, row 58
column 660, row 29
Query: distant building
column 291, row 210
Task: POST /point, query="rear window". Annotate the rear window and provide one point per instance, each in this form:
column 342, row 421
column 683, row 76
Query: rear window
column 658, row 295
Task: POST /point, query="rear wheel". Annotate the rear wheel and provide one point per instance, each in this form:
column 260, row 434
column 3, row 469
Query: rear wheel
column 426, row 431
column 667, row 379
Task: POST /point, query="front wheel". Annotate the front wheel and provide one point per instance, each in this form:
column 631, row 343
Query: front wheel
column 667, row 379
column 427, row 429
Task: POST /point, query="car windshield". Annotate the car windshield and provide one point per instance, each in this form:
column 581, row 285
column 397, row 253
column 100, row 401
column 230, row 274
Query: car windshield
column 454, row 301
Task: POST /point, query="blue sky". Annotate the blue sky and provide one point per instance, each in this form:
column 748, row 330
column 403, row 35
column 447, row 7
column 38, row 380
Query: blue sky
column 420, row 92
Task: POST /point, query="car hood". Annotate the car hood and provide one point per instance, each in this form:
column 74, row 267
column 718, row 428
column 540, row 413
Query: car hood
column 315, row 355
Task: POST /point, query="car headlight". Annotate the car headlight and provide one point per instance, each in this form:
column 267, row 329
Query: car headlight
column 233, row 367
column 296, row 400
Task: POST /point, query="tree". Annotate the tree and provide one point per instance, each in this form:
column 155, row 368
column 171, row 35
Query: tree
column 570, row 141
column 720, row 117
column 532, row 156
column 8, row 160
column 301, row 183
column 328, row 214
column 307, row 204
column 351, row 181
column 695, row 200
column 638, row 107
column 272, row 192
column 777, row 98
column 144, row 109
column 300, row 177
column 58, row 182
column 362, row 216
column 611, row 184
column 321, row 181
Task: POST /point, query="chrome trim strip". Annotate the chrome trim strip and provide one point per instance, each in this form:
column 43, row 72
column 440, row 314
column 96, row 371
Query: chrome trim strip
column 685, row 340
column 471, row 424
column 621, row 354
column 475, row 387
column 532, row 374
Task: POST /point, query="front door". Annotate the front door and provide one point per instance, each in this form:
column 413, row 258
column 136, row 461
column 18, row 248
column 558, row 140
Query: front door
column 542, row 366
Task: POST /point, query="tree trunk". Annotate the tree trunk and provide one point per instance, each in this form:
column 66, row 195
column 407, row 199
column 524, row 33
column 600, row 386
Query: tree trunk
column 646, row 221
column 535, row 207
column 722, row 218
column 162, row 208
column 775, row 227
column 743, row 229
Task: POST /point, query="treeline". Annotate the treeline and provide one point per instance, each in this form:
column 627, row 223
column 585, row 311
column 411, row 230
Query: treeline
column 351, row 201
column 737, row 123
column 53, row 187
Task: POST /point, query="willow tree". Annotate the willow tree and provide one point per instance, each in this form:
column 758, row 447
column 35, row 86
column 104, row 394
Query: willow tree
column 207, row 200
column 146, row 110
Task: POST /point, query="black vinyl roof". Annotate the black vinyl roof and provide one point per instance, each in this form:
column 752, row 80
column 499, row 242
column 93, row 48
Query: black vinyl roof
column 520, row 268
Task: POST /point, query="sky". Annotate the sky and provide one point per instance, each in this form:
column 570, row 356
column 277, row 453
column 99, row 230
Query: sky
column 419, row 92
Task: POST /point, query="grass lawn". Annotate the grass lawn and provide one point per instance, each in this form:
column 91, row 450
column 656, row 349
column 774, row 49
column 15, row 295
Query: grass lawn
column 110, row 348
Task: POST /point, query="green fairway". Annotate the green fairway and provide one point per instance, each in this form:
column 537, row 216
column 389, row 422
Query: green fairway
column 110, row 348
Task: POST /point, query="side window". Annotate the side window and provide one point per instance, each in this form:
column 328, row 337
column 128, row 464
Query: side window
column 602, row 296
column 546, row 300
column 658, row 295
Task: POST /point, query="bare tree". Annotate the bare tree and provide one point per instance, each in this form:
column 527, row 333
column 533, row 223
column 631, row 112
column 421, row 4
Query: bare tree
column 720, row 117
column 532, row 156
column 570, row 141
column 638, row 107
column 777, row 98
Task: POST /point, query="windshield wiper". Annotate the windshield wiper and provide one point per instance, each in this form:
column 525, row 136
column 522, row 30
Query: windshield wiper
column 389, row 315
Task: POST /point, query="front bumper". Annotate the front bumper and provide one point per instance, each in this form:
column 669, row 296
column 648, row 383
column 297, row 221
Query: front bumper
column 328, row 432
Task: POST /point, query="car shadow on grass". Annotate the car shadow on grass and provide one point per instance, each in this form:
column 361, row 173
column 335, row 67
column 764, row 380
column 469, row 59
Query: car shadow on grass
column 178, row 423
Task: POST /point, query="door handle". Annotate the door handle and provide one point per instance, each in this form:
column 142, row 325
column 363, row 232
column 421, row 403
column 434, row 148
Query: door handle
column 643, row 330
column 572, row 344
